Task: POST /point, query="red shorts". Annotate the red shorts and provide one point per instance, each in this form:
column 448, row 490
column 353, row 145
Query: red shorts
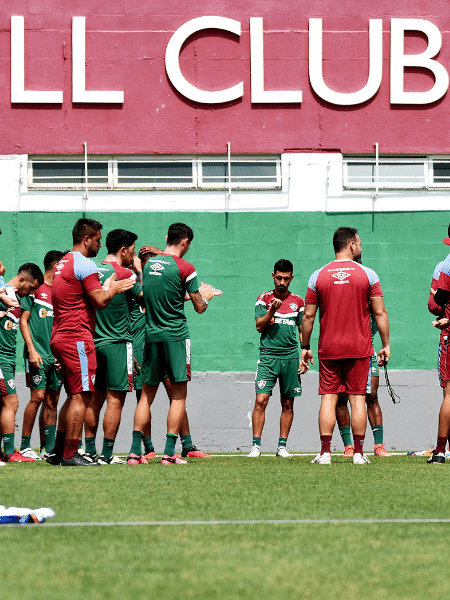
column 443, row 365
column 343, row 375
column 79, row 364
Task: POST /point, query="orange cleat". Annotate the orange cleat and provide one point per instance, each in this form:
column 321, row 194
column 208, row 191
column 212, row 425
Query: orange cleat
column 134, row 459
column 150, row 455
column 380, row 450
column 349, row 450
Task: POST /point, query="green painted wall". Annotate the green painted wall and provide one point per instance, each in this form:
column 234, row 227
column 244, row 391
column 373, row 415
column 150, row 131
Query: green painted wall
column 238, row 257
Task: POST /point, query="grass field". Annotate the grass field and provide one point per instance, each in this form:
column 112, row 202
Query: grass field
column 260, row 561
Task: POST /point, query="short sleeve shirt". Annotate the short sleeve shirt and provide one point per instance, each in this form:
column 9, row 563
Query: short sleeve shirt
column 9, row 324
column 137, row 314
column 74, row 316
column 40, row 322
column 443, row 283
column 167, row 278
column 280, row 338
column 114, row 321
column 342, row 290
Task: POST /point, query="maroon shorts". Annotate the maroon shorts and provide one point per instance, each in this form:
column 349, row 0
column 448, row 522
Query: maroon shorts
column 343, row 375
column 443, row 365
column 79, row 364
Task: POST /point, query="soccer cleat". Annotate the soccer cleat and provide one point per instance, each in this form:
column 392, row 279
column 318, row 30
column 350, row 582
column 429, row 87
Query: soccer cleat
column 360, row 459
column 2, row 464
column 436, row 458
column 380, row 450
column 194, row 452
column 89, row 457
column 151, row 454
column 322, row 459
column 172, row 460
column 112, row 460
column 78, row 460
column 29, row 453
column 134, row 459
column 349, row 450
column 282, row 451
column 17, row 457
column 44, row 455
column 53, row 459
column 254, row 451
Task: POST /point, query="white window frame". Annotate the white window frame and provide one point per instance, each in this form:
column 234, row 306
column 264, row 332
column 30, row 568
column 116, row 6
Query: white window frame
column 79, row 159
column 372, row 185
column 431, row 162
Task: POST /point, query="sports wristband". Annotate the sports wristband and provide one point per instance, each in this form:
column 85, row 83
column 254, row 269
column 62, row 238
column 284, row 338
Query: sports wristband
column 305, row 347
column 205, row 300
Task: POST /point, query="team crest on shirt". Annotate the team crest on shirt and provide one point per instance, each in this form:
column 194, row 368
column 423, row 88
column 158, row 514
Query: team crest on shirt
column 261, row 384
column 12, row 384
column 37, row 379
column 293, row 306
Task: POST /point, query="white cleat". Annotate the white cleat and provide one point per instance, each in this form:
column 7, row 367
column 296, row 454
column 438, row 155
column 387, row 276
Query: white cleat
column 254, row 452
column 322, row 459
column 282, row 451
column 30, row 453
column 360, row 459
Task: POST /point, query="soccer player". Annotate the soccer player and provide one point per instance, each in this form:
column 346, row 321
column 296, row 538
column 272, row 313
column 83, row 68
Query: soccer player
column 278, row 315
column 113, row 346
column 344, row 291
column 438, row 304
column 42, row 375
column 167, row 278
column 76, row 293
column 27, row 280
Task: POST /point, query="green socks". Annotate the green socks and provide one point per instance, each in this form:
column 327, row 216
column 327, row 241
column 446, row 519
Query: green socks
column 108, row 445
column 377, row 431
column 26, row 441
column 136, row 444
column 257, row 441
column 171, row 439
column 90, row 445
column 346, row 435
column 50, row 436
column 148, row 445
column 186, row 442
column 282, row 442
column 8, row 442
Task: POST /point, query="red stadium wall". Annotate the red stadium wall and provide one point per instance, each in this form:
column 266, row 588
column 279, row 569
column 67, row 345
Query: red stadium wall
column 125, row 51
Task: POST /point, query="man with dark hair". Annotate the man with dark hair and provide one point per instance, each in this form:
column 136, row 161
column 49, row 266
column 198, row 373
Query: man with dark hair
column 114, row 349
column 27, row 280
column 438, row 304
column 344, row 291
column 278, row 315
column 167, row 278
column 42, row 376
column 77, row 293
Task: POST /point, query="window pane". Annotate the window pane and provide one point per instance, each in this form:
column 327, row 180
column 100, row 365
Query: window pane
column 67, row 173
column 441, row 172
column 154, row 172
column 390, row 173
column 241, row 172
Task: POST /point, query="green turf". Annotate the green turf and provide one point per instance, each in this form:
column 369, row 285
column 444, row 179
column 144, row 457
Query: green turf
column 205, row 562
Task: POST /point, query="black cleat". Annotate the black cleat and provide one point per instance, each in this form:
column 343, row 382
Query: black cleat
column 53, row 459
column 436, row 458
column 77, row 461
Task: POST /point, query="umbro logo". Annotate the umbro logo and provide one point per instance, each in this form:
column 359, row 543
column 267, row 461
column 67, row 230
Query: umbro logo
column 44, row 295
column 156, row 267
column 341, row 275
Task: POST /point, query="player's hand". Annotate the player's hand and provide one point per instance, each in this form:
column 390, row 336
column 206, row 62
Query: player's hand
column 276, row 303
column 302, row 367
column 136, row 368
column 441, row 323
column 136, row 265
column 7, row 301
column 433, row 292
column 383, row 356
column 58, row 365
column 206, row 291
column 35, row 360
column 2, row 269
column 307, row 356
column 149, row 251
column 121, row 286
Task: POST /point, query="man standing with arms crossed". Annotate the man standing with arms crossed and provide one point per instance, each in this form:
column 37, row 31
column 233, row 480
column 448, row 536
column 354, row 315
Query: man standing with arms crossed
column 167, row 277
column 76, row 293
column 344, row 291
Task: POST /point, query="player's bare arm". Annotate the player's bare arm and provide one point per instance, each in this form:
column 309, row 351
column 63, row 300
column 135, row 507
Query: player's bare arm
column 34, row 357
column 7, row 301
column 381, row 317
column 101, row 297
column 309, row 316
column 200, row 302
column 206, row 290
column 441, row 323
column 2, row 269
column 263, row 322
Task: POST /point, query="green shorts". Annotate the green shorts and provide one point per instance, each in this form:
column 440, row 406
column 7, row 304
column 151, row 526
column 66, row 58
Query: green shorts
column 137, row 378
column 7, row 381
column 166, row 359
column 114, row 367
column 45, row 378
column 269, row 369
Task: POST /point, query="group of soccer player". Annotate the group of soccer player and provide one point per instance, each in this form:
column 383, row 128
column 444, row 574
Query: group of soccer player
column 98, row 327
column 94, row 327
